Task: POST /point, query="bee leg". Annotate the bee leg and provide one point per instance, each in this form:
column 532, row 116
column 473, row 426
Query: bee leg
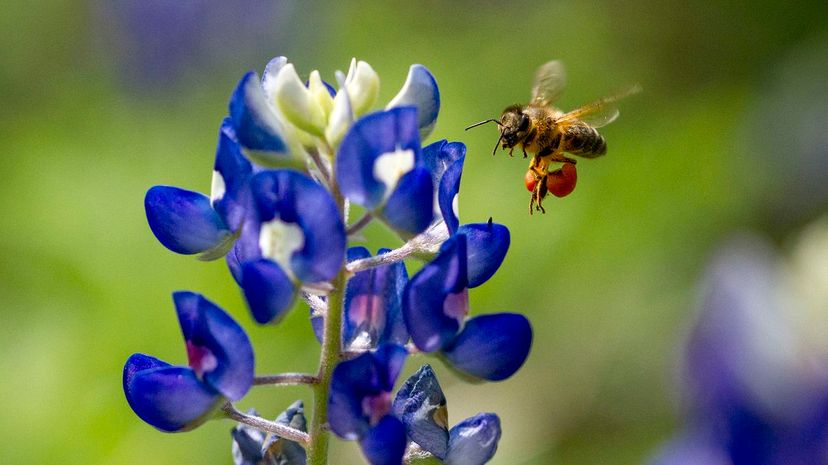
column 511, row 149
column 524, row 152
column 538, row 194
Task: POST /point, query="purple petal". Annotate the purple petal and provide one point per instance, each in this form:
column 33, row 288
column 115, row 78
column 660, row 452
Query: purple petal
column 474, row 440
column 294, row 198
column 384, row 444
column 410, row 208
column 184, row 221
column 219, row 350
column 371, row 136
column 167, row 397
column 268, row 290
column 420, row 90
column 447, row 192
column 256, row 125
column 421, row 405
column 232, row 176
column 438, row 156
column 491, row 347
column 487, row 247
column 373, row 304
column 435, row 302
column 358, row 385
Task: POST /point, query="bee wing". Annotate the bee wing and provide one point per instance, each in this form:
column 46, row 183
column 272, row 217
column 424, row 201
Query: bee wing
column 600, row 112
column 550, row 80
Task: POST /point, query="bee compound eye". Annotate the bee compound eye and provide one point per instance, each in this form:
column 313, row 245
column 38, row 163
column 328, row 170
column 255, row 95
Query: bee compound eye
column 524, row 123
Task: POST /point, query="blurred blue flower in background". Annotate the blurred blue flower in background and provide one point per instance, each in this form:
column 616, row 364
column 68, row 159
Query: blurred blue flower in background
column 755, row 372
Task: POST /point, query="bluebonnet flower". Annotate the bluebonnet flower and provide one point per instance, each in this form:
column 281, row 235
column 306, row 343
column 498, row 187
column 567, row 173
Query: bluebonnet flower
column 179, row 398
column 360, row 404
column 757, row 390
column 421, row 405
column 372, row 313
column 254, row 447
column 292, row 157
column 295, row 236
column 189, row 222
column 436, row 303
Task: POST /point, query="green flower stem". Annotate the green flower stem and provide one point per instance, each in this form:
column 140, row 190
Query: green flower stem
column 285, row 379
column 278, row 429
column 328, row 359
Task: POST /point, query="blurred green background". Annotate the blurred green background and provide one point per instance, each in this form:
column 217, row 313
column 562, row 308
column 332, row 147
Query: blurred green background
column 102, row 100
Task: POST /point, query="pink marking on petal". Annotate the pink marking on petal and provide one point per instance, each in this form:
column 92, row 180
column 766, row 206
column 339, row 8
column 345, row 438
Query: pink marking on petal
column 201, row 359
column 457, row 305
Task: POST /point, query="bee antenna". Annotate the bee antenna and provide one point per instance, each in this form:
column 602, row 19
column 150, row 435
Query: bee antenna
column 491, row 120
column 497, row 144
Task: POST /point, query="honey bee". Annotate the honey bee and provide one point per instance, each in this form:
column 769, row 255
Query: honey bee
column 548, row 133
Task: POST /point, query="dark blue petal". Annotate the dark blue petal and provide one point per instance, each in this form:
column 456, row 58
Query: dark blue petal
column 373, row 304
column 371, row 136
column 256, row 125
column 294, row 198
column 410, row 208
column 421, row 405
column 218, row 348
column 268, row 290
column 184, row 221
column 474, row 440
column 435, row 301
column 280, row 451
column 389, row 359
column 487, row 247
column 384, row 444
column 351, row 382
column 447, row 192
column 234, row 263
column 247, row 443
column 234, row 171
column 354, row 382
column 438, row 156
column 167, row 397
column 318, row 326
column 491, row 347
column 420, row 90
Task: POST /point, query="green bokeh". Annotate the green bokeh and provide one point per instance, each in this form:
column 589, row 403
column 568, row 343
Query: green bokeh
column 607, row 276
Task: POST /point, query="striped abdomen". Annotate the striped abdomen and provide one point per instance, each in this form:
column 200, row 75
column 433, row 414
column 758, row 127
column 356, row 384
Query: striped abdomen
column 583, row 140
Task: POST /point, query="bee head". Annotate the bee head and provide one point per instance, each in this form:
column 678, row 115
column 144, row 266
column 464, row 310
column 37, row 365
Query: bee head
column 514, row 125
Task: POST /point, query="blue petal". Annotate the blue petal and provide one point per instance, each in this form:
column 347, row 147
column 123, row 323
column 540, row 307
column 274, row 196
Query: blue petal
column 410, row 208
column 491, row 347
column 206, row 326
column 235, row 172
column 420, row 90
column 371, row 136
column 474, row 440
column 438, row 156
column 384, row 444
column 256, row 125
column 184, row 221
column 373, row 304
column 431, row 297
column 421, row 405
column 487, row 247
column 280, row 451
column 370, row 374
column 268, row 290
column 293, row 197
column 167, row 397
column 447, row 191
